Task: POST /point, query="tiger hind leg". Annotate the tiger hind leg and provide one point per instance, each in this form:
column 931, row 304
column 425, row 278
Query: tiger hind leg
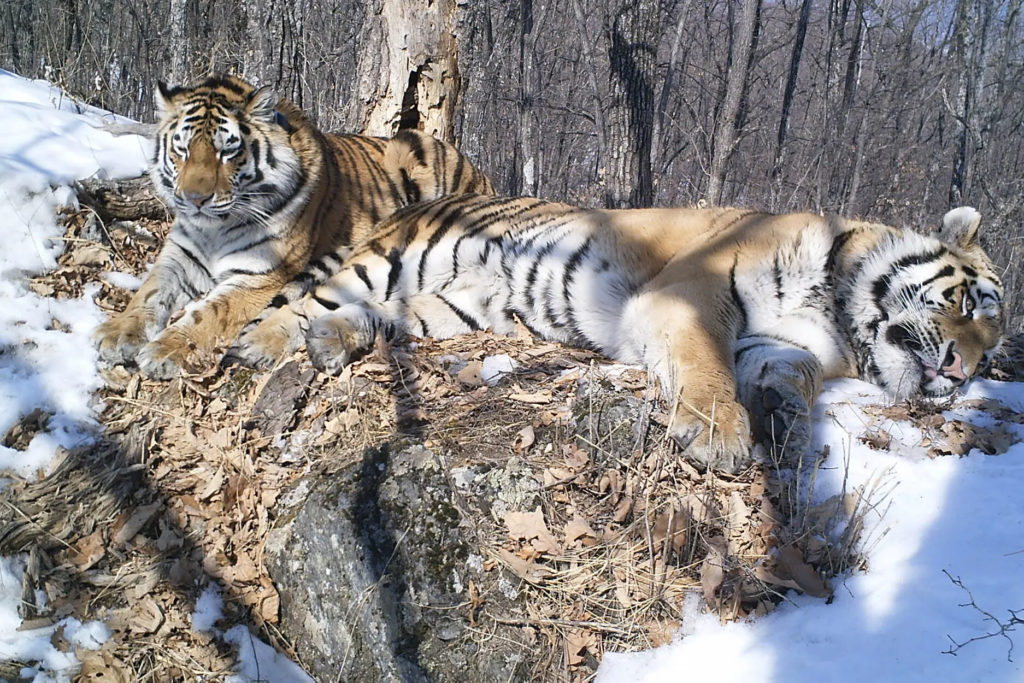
column 342, row 336
column 778, row 384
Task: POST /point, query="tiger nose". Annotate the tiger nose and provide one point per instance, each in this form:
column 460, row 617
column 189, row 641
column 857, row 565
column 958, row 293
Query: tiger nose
column 197, row 198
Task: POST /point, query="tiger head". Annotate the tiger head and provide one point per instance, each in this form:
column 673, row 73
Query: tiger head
column 223, row 154
column 929, row 310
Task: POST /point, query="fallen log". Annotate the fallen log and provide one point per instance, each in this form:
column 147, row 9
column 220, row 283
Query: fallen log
column 122, row 200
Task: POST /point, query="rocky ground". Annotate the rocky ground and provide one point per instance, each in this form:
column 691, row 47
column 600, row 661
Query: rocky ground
column 482, row 508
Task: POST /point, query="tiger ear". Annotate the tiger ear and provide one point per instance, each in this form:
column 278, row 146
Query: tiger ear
column 164, row 98
column 263, row 104
column 960, row 227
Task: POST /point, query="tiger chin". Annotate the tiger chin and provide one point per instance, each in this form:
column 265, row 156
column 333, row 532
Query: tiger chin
column 741, row 315
column 265, row 203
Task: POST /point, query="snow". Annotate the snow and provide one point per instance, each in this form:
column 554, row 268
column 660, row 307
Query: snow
column 893, row 621
column 35, row 645
column 49, row 140
column 209, row 610
column 259, row 662
column 494, row 368
column 888, row 623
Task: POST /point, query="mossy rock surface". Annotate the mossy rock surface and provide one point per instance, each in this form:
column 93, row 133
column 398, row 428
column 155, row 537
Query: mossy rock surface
column 374, row 562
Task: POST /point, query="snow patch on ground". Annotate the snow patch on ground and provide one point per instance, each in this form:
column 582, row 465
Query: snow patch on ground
column 893, row 621
column 496, row 367
column 35, row 645
column 259, row 662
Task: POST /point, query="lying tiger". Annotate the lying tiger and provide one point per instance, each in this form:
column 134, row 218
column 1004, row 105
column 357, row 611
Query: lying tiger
column 260, row 194
column 740, row 314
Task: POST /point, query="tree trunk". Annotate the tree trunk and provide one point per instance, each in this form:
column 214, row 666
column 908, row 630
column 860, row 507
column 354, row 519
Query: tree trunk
column 633, row 47
column 727, row 127
column 417, row 69
column 179, row 48
column 787, row 98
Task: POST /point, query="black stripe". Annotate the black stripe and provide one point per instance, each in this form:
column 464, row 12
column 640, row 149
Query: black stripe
column 880, row 287
column 194, row 259
column 279, row 301
column 569, row 274
column 243, row 271
column 423, row 324
column 463, row 316
column 363, row 275
column 329, row 305
column 255, row 243
column 777, row 275
column 395, row 260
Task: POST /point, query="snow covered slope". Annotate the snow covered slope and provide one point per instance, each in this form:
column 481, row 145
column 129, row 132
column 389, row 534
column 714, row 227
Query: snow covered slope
column 892, row 622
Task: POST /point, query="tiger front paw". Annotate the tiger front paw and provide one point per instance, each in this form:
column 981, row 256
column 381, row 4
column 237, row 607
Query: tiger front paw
column 781, row 421
column 269, row 341
column 164, row 357
column 333, row 342
column 723, row 447
column 119, row 339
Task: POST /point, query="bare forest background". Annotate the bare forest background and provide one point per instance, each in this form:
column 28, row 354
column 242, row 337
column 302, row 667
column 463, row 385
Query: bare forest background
column 891, row 110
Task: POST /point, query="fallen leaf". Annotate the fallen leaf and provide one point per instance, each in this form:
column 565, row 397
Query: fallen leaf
column 524, row 439
column 791, row 561
column 90, row 255
column 270, row 605
column 243, row 571
column 536, row 398
column 139, row 518
column 577, row 459
column 527, row 570
column 661, row 632
column 712, row 570
column 213, row 485
column 101, row 666
column 146, row 616
column 577, row 641
column 530, row 526
column 623, row 509
column 577, row 529
column 470, row 375
column 661, row 529
column 878, row 439
column 622, row 593
column 87, row 551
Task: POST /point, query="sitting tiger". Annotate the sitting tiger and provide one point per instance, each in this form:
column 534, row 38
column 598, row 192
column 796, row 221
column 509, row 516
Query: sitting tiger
column 740, row 314
column 259, row 195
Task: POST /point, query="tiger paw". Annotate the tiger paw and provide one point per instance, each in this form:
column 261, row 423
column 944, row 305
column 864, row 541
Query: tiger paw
column 262, row 345
column 119, row 339
column 781, row 422
column 164, row 357
column 333, row 341
column 725, row 448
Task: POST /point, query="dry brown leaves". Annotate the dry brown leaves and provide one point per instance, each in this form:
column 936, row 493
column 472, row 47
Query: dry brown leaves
column 951, row 435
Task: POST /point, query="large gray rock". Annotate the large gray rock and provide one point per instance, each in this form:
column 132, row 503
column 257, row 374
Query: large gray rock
column 373, row 564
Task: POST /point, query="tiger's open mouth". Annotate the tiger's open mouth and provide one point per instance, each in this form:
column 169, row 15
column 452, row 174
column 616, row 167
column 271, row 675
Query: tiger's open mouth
column 944, row 380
